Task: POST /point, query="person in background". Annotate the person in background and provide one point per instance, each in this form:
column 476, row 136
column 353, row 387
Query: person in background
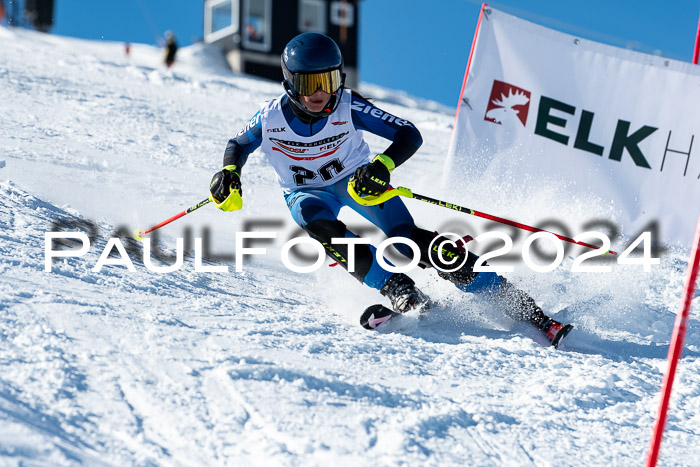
column 312, row 137
column 170, row 48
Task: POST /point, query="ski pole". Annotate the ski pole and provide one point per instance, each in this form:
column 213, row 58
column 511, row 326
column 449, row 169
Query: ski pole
column 139, row 234
column 405, row 192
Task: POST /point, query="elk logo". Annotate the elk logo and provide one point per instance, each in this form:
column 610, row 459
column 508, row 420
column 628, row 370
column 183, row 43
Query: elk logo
column 507, row 103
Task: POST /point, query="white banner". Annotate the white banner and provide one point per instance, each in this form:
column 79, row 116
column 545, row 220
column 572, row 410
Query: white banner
column 610, row 124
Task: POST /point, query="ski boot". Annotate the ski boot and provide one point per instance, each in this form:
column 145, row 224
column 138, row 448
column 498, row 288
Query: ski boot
column 404, row 297
column 521, row 307
column 404, row 294
column 555, row 331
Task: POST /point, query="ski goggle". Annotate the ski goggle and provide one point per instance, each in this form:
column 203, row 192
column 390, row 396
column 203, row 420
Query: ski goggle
column 306, row 84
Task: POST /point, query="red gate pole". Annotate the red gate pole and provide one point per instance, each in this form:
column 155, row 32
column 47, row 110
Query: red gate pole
column 696, row 51
column 676, row 348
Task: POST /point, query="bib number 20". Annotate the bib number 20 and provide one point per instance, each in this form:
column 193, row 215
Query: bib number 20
column 327, row 171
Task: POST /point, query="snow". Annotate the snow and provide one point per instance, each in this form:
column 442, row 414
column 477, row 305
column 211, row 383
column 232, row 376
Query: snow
column 267, row 367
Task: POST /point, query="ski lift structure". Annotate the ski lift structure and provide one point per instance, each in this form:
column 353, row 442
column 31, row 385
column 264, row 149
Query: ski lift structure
column 253, row 33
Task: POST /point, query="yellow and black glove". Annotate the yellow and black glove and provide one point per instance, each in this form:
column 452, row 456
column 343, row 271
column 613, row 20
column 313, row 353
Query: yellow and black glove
column 373, row 179
column 225, row 189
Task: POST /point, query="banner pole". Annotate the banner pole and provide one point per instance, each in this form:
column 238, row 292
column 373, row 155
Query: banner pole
column 675, row 348
column 696, row 51
column 469, row 63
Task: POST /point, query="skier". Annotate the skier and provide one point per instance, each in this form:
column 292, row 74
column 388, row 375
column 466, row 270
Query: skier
column 311, row 136
column 170, row 48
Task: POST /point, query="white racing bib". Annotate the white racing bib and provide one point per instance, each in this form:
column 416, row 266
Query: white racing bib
column 312, row 161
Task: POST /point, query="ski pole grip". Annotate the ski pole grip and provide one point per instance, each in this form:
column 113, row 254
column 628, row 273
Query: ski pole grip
column 368, row 200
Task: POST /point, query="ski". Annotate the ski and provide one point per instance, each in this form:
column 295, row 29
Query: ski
column 376, row 315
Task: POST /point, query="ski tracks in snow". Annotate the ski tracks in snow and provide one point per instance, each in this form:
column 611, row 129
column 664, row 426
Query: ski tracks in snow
column 264, row 366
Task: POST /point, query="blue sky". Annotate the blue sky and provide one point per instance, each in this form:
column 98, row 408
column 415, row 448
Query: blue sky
column 417, row 46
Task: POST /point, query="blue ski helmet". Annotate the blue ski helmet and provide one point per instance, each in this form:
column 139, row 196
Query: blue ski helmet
column 311, row 61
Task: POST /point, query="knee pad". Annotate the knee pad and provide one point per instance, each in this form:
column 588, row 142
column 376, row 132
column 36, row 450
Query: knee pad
column 422, row 238
column 446, row 257
column 324, row 231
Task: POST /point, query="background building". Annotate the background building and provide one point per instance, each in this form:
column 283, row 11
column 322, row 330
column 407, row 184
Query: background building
column 38, row 14
column 253, row 33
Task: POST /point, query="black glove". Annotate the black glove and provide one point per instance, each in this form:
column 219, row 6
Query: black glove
column 372, row 179
column 223, row 182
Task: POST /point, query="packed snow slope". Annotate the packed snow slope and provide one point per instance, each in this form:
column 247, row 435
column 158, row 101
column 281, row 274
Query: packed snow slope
column 265, row 366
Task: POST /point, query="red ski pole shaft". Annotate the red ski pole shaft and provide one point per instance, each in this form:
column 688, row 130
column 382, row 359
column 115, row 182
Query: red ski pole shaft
column 140, row 233
column 391, row 192
column 502, row 220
